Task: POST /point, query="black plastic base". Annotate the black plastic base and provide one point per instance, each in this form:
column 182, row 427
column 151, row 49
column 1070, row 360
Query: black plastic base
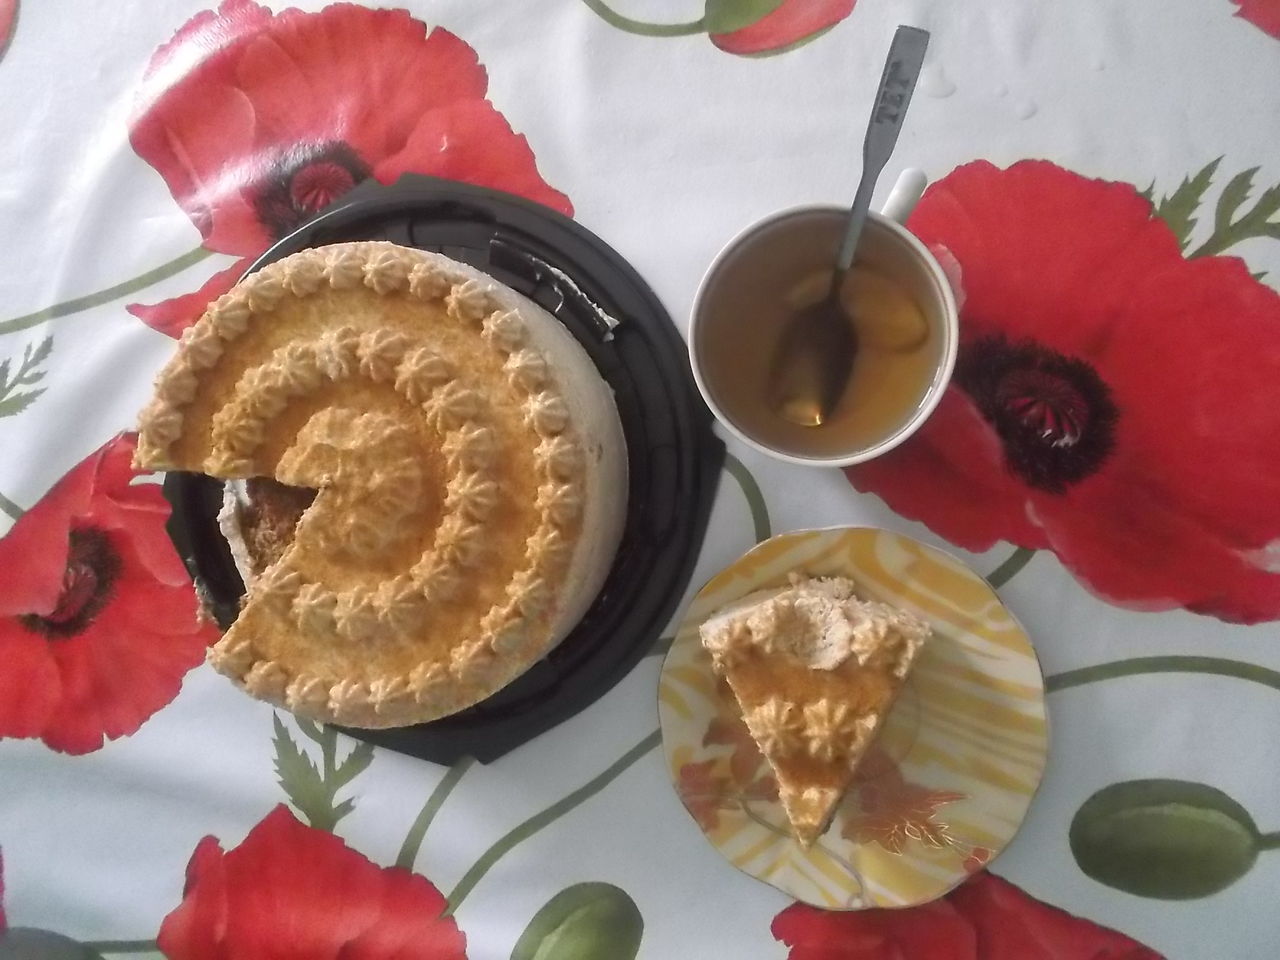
column 673, row 455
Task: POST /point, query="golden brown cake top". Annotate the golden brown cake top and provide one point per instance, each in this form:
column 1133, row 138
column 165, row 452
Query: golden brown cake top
column 404, row 389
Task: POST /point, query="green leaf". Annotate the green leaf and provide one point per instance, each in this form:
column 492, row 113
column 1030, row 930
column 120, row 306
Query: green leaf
column 12, row 403
column 1179, row 208
column 301, row 781
column 1165, row 839
column 587, row 921
column 1149, row 194
column 309, row 729
column 340, row 811
column 42, row 351
column 1255, row 223
column 311, row 789
column 18, row 402
column 1233, row 195
column 356, row 763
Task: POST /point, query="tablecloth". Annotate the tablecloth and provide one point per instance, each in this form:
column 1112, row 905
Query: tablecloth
column 1106, row 197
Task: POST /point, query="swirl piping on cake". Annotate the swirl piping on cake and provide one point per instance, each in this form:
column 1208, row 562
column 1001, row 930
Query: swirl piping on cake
column 400, row 606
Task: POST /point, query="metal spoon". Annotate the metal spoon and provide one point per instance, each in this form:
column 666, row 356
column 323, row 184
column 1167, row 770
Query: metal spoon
column 815, row 355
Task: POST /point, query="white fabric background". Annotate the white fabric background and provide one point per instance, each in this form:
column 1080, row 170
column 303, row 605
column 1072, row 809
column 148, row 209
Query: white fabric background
column 666, row 148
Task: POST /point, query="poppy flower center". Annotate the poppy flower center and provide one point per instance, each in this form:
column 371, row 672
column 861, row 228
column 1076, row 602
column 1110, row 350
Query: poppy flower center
column 93, row 566
column 1054, row 415
column 79, row 586
column 304, row 181
column 318, row 185
column 1048, row 405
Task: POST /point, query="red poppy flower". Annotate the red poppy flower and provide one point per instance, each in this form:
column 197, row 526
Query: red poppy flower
column 985, row 918
column 290, row 890
column 1109, row 401
column 258, row 120
column 1263, row 14
column 757, row 27
column 97, row 616
column 8, row 19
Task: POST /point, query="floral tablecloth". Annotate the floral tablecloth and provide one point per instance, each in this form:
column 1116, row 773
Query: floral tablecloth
column 1106, row 196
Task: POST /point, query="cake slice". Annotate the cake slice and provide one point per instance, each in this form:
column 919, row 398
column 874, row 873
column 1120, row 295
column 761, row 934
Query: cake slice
column 815, row 671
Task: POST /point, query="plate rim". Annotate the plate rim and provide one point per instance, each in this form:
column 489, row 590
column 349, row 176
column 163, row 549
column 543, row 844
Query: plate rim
column 840, row 529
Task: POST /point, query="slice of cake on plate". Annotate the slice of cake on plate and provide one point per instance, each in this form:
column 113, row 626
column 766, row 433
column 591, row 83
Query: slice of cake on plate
column 815, row 671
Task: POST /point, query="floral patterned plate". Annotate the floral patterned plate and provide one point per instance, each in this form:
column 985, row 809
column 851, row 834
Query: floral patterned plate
column 948, row 780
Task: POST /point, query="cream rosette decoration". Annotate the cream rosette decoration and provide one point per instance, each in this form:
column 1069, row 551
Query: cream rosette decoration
column 469, row 468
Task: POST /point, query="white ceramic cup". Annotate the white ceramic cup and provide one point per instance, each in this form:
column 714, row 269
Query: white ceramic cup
column 807, row 239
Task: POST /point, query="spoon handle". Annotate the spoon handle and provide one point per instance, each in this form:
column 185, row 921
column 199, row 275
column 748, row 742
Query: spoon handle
column 897, row 83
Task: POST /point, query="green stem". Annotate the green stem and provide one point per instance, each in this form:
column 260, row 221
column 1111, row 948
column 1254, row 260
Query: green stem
column 760, row 524
column 539, row 820
column 660, row 647
column 1002, row 574
column 121, row 946
column 328, row 750
column 615, row 19
column 11, row 508
column 310, row 730
column 755, row 499
column 413, row 841
column 1268, row 841
column 141, row 282
column 1216, row 244
column 1171, row 664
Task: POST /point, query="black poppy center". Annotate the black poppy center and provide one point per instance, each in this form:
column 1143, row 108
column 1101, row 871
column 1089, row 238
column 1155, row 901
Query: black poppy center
column 1053, row 413
column 304, row 181
column 93, row 566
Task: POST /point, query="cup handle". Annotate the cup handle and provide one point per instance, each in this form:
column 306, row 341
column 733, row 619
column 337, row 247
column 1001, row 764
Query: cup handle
column 905, row 195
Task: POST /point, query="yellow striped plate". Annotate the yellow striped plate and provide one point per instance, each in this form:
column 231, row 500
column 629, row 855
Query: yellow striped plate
column 951, row 775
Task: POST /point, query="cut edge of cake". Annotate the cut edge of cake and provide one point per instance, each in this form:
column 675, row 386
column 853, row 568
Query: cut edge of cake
column 559, row 403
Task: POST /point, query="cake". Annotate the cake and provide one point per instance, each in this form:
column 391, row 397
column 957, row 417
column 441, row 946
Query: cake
column 814, row 671
column 426, row 479
column 258, row 519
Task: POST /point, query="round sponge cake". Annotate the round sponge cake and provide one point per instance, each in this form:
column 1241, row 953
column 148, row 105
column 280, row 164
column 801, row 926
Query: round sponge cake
column 458, row 475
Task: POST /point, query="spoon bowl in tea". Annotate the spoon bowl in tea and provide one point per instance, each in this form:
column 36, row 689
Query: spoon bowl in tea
column 815, row 355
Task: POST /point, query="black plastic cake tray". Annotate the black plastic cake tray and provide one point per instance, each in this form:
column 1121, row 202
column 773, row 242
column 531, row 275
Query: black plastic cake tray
column 674, row 457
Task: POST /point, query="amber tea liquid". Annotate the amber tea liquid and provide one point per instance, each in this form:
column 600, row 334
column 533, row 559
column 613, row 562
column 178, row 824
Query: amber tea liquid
column 756, row 294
